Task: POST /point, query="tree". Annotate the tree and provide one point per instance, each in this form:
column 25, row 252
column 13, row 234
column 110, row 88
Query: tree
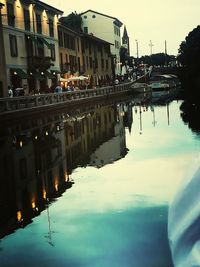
column 73, row 21
column 157, row 59
column 189, row 57
column 189, row 51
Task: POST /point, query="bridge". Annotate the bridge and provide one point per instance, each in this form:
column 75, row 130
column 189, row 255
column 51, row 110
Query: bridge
column 179, row 71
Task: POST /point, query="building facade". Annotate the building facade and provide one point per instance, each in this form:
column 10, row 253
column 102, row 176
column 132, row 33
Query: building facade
column 31, row 44
column 107, row 28
column 70, row 53
column 83, row 54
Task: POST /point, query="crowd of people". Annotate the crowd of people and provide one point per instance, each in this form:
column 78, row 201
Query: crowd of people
column 59, row 88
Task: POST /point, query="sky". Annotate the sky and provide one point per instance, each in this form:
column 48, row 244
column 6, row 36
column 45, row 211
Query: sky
column 146, row 20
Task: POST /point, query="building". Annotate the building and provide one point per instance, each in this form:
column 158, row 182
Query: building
column 95, row 23
column 3, row 80
column 96, row 60
column 31, row 44
column 85, row 55
column 125, row 41
column 70, row 52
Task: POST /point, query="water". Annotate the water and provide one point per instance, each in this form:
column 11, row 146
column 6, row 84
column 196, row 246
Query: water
column 91, row 187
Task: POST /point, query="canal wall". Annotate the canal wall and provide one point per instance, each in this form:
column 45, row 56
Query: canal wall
column 17, row 107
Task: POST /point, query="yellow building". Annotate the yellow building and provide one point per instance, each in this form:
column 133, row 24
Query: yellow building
column 84, row 55
column 96, row 59
column 70, row 54
column 31, row 44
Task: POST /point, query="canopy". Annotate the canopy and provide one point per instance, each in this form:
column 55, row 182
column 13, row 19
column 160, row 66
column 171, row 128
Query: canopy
column 20, row 73
column 63, row 80
column 78, row 78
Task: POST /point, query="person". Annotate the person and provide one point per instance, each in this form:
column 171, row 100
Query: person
column 116, row 81
column 10, row 91
column 184, row 223
column 58, row 89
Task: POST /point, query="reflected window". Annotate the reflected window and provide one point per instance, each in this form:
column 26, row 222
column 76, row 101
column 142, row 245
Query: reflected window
column 23, row 168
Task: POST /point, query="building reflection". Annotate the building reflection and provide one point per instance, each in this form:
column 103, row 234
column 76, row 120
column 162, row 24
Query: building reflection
column 38, row 156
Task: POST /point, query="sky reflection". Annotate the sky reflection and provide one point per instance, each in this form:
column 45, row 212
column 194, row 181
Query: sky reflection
column 116, row 214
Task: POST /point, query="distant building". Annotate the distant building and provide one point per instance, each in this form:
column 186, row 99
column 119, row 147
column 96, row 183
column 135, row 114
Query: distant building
column 107, row 28
column 31, row 44
column 125, row 41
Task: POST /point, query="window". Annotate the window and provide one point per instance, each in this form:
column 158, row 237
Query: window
column 60, row 38
column 85, row 29
column 87, row 62
column 10, row 14
column 27, row 24
column 102, row 63
column 53, row 54
column 78, row 45
column 85, row 17
column 51, row 29
column 90, row 62
column 96, row 63
column 90, row 49
column 38, row 22
column 61, row 61
column 79, row 64
column 23, row 168
column 93, row 16
column 13, row 45
column 106, row 64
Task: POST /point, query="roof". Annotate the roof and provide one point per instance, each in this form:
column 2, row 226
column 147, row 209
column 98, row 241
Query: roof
column 95, row 38
column 57, row 11
column 117, row 21
column 125, row 35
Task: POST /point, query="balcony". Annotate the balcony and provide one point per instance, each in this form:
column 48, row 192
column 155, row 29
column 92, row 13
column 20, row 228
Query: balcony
column 39, row 62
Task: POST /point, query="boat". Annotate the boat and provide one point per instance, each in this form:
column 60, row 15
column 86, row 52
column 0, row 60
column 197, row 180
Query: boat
column 140, row 87
column 159, row 85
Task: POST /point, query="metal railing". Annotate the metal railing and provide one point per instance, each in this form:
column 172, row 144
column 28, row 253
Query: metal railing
column 35, row 101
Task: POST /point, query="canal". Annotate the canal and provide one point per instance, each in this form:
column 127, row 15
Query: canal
column 92, row 186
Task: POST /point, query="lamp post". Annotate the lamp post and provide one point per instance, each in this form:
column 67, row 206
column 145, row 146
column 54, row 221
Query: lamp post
column 151, row 46
column 137, row 62
column 3, row 74
column 137, row 49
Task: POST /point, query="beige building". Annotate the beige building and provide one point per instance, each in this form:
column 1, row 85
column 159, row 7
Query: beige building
column 95, row 23
column 85, row 55
column 31, row 44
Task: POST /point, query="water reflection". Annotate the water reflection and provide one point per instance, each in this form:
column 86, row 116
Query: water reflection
column 190, row 115
column 37, row 156
column 122, row 205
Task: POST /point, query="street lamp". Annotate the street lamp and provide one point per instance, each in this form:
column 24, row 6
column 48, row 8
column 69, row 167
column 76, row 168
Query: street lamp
column 137, row 48
column 151, row 46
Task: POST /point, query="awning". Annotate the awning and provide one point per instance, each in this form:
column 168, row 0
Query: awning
column 38, row 76
column 78, row 78
column 49, row 75
column 20, row 73
column 63, row 80
column 44, row 42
